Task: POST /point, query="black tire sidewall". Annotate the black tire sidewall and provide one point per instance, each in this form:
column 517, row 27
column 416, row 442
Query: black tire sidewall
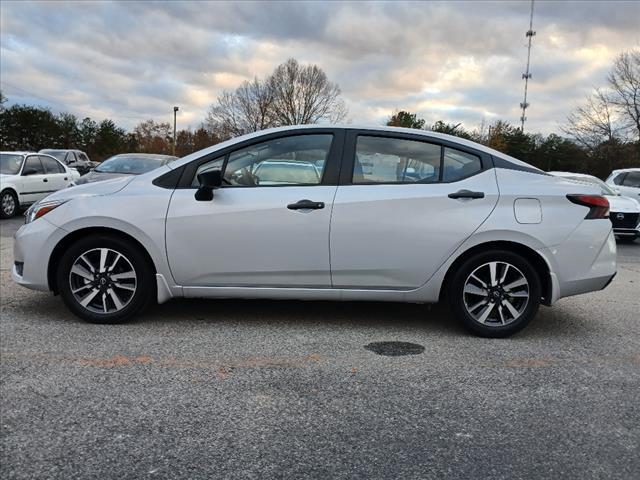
column 15, row 199
column 145, row 277
column 457, row 286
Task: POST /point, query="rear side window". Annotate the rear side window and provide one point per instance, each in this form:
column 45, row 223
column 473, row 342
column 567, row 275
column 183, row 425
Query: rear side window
column 395, row 160
column 459, row 165
column 83, row 157
column 632, row 179
column 618, row 179
column 51, row 165
column 33, row 163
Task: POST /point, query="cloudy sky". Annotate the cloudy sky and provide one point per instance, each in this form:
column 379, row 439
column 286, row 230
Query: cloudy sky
column 456, row 61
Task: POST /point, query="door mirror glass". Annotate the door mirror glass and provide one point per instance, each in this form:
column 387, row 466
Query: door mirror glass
column 208, row 181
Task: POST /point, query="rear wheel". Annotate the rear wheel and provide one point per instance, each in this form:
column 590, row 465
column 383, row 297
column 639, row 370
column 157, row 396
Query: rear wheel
column 105, row 279
column 8, row 204
column 495, row 293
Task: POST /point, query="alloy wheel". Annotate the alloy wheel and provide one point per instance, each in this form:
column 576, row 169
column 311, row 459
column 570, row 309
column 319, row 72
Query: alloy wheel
column 103, row 280
column 8, row 204
column 496, row 294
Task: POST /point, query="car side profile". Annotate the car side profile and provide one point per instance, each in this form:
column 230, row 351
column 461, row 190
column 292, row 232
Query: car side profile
column 430, row 217
column 72, row 158
column 125, row 164
column 26, row 177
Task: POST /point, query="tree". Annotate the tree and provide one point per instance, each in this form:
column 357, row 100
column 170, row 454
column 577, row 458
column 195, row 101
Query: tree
column 304, row 94
column 405, row 119
column 154, row 137
column 624, row 80
column 595, row 121
column 293, row 94
column 24, row 127
column 449, row 129
column 68, row 131
column 109, row 139
column 3, row 100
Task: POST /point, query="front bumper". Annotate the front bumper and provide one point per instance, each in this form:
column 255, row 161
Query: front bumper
column 32, row 247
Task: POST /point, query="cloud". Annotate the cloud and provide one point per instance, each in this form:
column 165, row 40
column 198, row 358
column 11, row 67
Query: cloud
column 456, row 61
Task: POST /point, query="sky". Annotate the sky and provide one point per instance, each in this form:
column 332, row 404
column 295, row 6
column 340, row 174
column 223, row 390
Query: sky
column 456, row 61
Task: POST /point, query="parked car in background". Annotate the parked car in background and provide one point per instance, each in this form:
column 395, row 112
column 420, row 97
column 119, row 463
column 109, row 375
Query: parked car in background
column 26, row 177
column 624, row 212
column 125, row 164
column 72, row 158
column 493, row 235
column 626, row 181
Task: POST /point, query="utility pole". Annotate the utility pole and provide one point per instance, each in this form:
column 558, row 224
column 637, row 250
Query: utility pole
column 175, row 111
column 527, row 75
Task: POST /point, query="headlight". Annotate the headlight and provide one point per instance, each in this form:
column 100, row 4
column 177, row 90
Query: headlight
column 40, row 209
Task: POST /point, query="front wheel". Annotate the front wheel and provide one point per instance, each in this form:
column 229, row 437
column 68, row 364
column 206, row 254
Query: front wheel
column 495, row 293
column 8, row 204
column 105, row 279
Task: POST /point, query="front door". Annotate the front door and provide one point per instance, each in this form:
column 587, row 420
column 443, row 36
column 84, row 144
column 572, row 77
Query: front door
column 394, row 222
column 268, row 226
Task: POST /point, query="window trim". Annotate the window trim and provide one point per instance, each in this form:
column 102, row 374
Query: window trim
column 329, row 176
column 349, row 155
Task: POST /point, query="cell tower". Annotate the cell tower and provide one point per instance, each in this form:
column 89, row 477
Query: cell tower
column 527, row 75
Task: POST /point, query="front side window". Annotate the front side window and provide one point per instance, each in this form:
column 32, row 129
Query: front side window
column 459, row 165
column 33, row 166
column 296, row 160
column 71, row 158
column 395, row 160
column 632, row 179
column 50, row 165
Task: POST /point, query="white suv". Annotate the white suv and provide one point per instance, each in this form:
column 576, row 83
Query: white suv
column 626, row 181
column 27, row 177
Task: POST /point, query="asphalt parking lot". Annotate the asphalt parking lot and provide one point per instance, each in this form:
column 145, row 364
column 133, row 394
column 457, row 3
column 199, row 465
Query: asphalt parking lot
column 258, row 389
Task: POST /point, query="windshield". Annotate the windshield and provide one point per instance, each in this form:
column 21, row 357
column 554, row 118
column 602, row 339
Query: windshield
column 130, row 164
column 59, row 154
column 10, row 164
column 605, row 189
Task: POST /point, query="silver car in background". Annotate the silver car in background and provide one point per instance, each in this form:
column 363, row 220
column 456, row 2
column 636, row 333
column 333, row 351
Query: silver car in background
column 430, row 217
column 123, row 165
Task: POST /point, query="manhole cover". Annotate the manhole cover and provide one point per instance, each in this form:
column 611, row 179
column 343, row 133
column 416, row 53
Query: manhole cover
column 395, row 349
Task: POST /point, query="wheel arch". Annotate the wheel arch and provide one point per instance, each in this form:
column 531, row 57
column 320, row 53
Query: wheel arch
column 63, row 244
column 536, row 260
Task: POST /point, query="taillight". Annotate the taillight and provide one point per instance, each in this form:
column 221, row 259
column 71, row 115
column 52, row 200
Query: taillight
column 598, row 205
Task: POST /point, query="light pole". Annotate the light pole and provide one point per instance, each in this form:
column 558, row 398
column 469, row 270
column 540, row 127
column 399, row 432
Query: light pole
column 175, row 111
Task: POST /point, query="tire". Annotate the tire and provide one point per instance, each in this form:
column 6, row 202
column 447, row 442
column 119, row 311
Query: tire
column 9, row 205
column 511, row 304
column 125, row 286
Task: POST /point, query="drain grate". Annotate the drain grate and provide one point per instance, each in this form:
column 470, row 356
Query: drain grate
column 395, row 349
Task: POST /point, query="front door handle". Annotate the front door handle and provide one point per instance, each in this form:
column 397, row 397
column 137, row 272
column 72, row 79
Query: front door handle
column 306, row 205
column 466, row 194
column 45, row 180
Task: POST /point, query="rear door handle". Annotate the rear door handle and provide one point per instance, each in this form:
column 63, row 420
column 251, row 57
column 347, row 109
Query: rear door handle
column 466, row 194
column 306, row 205
column 45, row 180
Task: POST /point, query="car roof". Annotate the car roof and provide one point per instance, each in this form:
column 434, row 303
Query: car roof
column 424, row 133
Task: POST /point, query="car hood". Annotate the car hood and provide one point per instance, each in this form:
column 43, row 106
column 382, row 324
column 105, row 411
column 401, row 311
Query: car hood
column 618, row 203
column 94, row 176
column 107, row 187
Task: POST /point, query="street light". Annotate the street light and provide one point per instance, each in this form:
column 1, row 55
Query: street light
column 175, row 111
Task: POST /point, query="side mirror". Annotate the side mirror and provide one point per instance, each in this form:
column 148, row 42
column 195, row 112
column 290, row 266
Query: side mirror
column 208, row 182
column 29, row 171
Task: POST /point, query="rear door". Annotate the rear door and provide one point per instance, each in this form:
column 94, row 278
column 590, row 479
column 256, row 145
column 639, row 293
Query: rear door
column 258, row 232
column 35, row 181
column 394, row 222
column 57, row 176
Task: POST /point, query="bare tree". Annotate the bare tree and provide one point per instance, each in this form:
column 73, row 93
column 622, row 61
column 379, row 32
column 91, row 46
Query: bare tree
column 244, row 110
column 624, row 80
column 596, row 121
column 304, row 94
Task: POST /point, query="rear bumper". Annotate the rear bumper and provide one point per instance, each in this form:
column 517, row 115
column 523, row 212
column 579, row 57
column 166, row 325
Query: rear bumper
column 584, row 262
